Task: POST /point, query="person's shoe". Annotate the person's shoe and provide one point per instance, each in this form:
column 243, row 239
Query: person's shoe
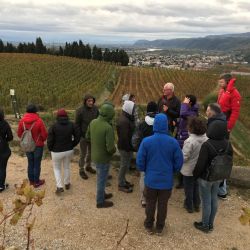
column 222, row 196
column 179, row 186
column 67, row 186
column 199, row 226
column 105, row 204
column 189, row 210
column 83, row 175
column 129, row 184
column 143, row 204
column 132, row 168
column 40, row 183
column 211, row 228
column 125, row 189
column 59, row 190
column 32, row 183
column 91, row 170
column 197, row 209
column 110, row 177
column 159, row 231
column 6, row 185
column 148, row 228
column 108, row 196
column 108, row 184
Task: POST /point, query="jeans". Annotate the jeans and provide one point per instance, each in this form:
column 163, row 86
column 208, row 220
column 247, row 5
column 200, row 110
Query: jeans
column 59, row 159
column 3, row 166
column 159, row 197
column 209, row 191
column 102, row 171
column 85, row 155
column 34, row 164
column 192, row 195
column 124, row 166
column 223, row 188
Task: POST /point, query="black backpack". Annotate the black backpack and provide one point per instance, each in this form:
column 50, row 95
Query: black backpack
column 221, row 165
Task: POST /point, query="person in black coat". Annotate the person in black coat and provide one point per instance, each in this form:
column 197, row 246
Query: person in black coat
column 63, row 136
column 216, row 133
column 5, row 152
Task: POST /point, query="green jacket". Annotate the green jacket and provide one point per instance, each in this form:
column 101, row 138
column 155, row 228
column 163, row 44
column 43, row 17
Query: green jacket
column 100, row 133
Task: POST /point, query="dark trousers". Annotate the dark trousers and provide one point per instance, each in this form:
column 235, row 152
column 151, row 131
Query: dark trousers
column 34, row 164
column 159, row 197
column 192, row 195
column 3, row 166
column 85, row 155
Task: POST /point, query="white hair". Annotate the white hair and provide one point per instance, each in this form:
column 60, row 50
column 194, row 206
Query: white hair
column 170, row 85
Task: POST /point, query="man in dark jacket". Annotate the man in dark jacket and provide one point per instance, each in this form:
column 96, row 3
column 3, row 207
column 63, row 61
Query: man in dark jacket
column 216, row 133
column 84, row 115
column 170, row 105
column 5, row 137
column 125, row 128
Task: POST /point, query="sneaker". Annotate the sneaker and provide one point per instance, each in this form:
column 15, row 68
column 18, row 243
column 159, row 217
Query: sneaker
column 59, row 190
column 143, row 204
column 40, row 183
column 83, row 175
column 105, row 204
column 91, row 170
column 159, row 231
column 129, row 184
column 148, row 228
column 211, row 228
column 199, row 226
column 67, row 186
column 108, row 196
column 125, row 189
column 222, row 196
column 6, row 185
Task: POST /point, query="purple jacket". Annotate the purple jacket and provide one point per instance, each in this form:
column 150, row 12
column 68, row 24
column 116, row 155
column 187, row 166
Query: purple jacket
column 186, row 111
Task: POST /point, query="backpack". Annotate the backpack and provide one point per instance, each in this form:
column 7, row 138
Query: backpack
column 27, row 142
column 221, row 165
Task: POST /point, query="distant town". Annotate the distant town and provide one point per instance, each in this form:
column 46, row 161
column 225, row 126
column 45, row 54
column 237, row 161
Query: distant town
column 182, row 60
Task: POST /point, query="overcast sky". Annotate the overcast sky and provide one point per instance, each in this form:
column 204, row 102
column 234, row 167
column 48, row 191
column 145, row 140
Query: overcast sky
column 111, row 21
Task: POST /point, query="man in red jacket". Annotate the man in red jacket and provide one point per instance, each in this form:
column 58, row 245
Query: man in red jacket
column 39, row 134
column 229, row 100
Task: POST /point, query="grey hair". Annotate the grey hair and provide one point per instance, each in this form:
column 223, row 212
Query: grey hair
column 170, row 85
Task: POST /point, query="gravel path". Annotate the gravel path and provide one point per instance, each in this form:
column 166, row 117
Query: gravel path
column 72, row 221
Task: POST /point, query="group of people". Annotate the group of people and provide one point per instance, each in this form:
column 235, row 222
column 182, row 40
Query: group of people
column 171, row 138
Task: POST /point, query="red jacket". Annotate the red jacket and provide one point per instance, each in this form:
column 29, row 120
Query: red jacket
column 229, row 101
column 39, row 132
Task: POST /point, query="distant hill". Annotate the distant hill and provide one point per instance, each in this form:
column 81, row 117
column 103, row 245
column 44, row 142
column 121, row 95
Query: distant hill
column 215, row 42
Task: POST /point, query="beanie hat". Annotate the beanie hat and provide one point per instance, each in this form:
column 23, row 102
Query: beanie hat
column 31, row 108
column 125, row 97
column 152, row 107
column 61, row 113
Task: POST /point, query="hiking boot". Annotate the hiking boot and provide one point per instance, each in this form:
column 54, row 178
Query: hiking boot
column 143, row 204
column 83, row 175
column 149, row 228
column 129, row 184
column 105, row 204
column 108, row 196
column 211, row 227
column 91, row 170
column 189, row 210
column 222, row 196
column 38, row 184
column 201, row 227
column 197, row 209
column 125, row 189
column 67, row 186
column 6, row 185
column 59, row 190
column 159, row 231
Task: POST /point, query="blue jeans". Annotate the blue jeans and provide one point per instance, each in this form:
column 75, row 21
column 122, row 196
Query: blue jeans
column 191, row 188
column 102, row 171
column 223, row 188
column 34, row 164
column 209, row 191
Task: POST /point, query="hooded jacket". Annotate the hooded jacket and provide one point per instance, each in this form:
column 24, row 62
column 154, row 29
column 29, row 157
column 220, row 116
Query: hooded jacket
column 85, row 114
column 159, row 156
column 125, row 127
column 63, row 135
column 39, row 132
column 185, row 113
column 5, row 136
column 230, row 101
column 216, row 134
column 100, row 133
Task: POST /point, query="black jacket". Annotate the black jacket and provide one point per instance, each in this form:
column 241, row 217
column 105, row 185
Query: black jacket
column 84, row 115
column 5, row 136
column 216, row 133
column 173, row 112
column 63, row 135
column 125, row 127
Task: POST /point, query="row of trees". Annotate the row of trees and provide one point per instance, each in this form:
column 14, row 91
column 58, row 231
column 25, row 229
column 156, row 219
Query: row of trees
column 74, row 49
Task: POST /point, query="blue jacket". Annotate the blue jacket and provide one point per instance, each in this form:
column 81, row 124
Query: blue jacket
column 159, row 156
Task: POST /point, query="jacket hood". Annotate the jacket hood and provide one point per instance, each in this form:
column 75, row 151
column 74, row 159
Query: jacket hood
column 149, row 120
column 230, row 85
column 195, row 108
column 30, row 117
column 219, row 117
column 128, row 107
column 62, row 119
column 217, row 130
column 160, row 124
column 198, row 138
column 107, row 111
column 86, row 97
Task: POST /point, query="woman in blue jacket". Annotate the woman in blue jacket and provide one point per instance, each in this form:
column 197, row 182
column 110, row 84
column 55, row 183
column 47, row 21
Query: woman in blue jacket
column 159, row 156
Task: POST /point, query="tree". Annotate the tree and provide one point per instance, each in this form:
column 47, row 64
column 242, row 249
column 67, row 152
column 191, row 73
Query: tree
column 9, row 48
column 107, row 55
column 81, row 50
column 88, row 52
column 20, row 48
column 40, row 48
column 1, row 46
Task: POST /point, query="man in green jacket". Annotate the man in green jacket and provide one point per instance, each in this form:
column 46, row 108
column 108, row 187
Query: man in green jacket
column 100, row 133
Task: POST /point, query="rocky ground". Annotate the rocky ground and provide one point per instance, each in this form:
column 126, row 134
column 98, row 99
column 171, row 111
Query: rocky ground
column 72, row 221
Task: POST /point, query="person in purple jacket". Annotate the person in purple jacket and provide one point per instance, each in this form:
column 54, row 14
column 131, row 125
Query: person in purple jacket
column 189, row 108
